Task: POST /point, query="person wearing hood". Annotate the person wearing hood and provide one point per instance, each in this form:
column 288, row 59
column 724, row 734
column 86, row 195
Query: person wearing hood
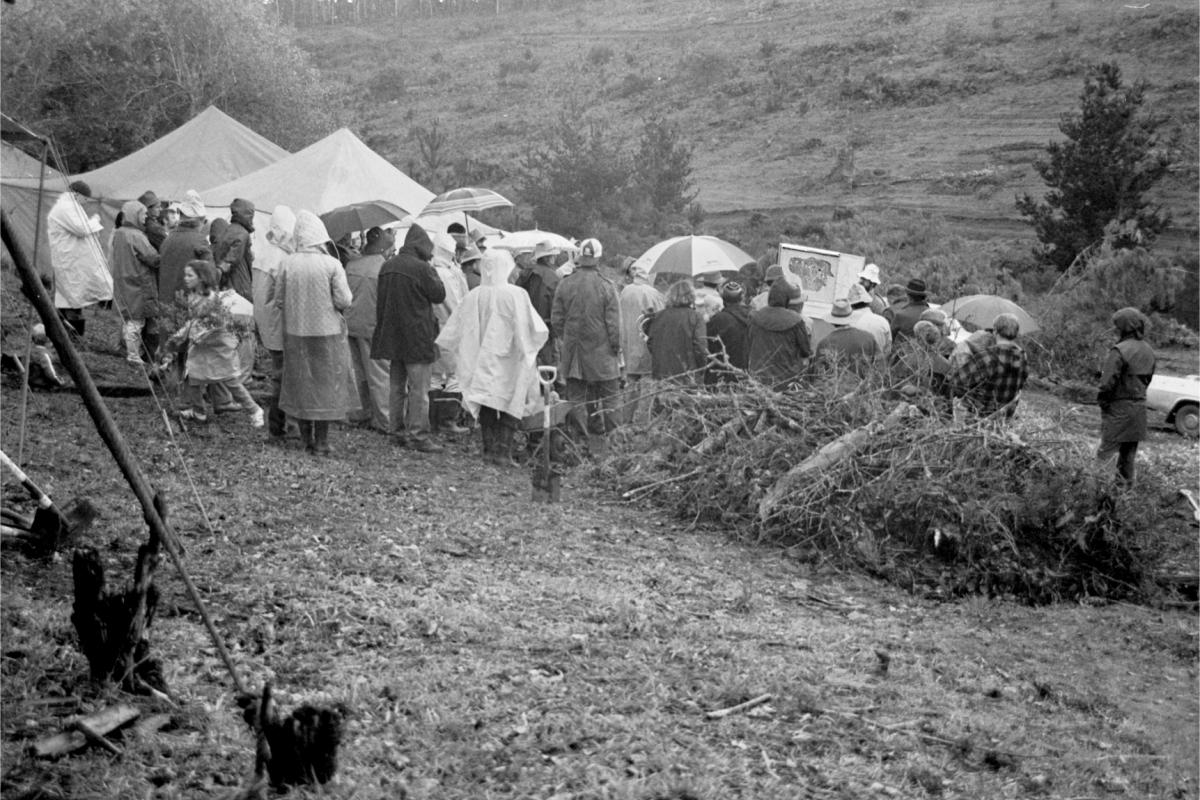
column 311, row 293
column 586, row 321
column 134, row 268
column 1128, row 368
column 495, row 336
column 267, row 316
column 405, row 329
column 76, row 256
column 729, row 336
column 639, row 299
column 445, row 399
column 232, row 251
column 779, row 344
column 187, row 242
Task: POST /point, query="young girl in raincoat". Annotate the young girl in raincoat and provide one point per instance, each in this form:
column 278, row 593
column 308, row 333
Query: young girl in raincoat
column 212, row 338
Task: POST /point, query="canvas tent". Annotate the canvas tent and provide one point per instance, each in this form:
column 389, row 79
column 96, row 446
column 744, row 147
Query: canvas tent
column 210, row 148
column 335, row 171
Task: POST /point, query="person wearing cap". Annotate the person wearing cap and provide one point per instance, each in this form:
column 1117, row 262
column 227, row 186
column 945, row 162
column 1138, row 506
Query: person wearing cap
column 1128, row 368
column 639, row 299
column 281, row 242
column 311, row 293
column 586, row 321
column 729, row 337
column 370, row 375
column 864, row 319
column 773, row 274
column 846, row 346
column 155, row 230
column 232, row 251
column 708, row 294
column 76, row 257
column 540, row 281
column 676, row 336
column 135, row 286
column 779, row 344
column 990, row 382
column 187, row 242
column 468, row 262
column 405, row 329
column 903, row 319
column 494, row 337
column 869, row 280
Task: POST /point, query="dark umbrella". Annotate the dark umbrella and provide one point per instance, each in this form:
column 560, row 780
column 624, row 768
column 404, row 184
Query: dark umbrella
column 360, row 217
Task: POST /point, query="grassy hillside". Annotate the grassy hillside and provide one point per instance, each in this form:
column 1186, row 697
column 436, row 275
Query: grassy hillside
column 935, row 106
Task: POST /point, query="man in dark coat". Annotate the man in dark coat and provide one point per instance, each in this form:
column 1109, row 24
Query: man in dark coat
column 405, row 330
column 903, row 318
column 232, row 252
column 540, row 280
column 586, row 320
column 851, row 348
column 729, row 334
column 1128, row 368
column 155, row 230
column 778, row 343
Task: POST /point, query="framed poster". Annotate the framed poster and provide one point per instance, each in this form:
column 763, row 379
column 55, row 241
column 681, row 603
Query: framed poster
column 823, row 274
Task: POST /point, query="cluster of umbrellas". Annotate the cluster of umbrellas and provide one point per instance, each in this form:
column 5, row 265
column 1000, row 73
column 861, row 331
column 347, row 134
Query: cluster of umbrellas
column 679, row 258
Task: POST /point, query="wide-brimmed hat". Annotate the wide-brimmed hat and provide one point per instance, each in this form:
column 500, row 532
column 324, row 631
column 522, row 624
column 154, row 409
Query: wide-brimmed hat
column 916, row 288
column 192, row 206
column 590, row 251
column 839, row 313
column 714, row 279
column 871, row 273
column 470, row 253
column 149, row 199
column 544, row 249
column 773, row 273
column 859, row 296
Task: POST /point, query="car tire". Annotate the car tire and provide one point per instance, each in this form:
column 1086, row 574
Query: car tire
column 1187, row 420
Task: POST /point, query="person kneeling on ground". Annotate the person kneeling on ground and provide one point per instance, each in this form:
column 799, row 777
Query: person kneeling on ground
column 495, row 335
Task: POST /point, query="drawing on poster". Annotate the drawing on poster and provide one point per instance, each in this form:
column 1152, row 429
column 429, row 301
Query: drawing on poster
column 815, row 269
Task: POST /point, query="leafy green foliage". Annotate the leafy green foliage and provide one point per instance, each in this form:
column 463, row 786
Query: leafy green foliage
column 1111, row 158
column 106, row 78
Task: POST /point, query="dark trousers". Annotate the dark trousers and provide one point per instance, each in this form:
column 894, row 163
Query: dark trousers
column 1126, row 453
column 593, row 405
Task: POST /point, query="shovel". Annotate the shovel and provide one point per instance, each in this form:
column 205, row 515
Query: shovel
column 547, row 483
column 50, row 528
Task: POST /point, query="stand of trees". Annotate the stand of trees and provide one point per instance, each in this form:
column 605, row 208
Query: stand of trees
column 107, row 78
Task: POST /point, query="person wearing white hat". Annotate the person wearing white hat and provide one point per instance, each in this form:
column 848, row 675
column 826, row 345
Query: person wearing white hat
column 863, row 318
column 186, row 242
column 869, row 279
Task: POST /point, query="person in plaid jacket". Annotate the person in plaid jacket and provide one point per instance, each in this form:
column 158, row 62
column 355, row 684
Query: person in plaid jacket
column 990, row 382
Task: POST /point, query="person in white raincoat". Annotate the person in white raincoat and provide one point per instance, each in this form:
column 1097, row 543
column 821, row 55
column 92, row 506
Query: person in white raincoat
column 444, row 395
column 81, row 278
column 495, row 335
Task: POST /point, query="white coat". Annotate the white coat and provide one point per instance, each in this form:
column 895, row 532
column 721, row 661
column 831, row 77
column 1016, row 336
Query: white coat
column 495, row 335
column 80, row 276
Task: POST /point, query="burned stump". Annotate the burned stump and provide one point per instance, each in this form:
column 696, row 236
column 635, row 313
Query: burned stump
column 112, row 625
column 297, row 749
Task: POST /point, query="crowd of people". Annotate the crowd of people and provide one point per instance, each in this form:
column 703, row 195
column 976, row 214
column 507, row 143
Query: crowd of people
column 444, row 333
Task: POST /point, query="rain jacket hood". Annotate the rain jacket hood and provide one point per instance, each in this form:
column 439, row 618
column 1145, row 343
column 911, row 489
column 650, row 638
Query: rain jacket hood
column 1129, row 323
column 310, row 231
column 281, row 231
column 418, row 243
column 133, row 215
column 495, row 268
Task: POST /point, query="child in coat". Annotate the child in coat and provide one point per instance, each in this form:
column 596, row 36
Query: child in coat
column 212, row 336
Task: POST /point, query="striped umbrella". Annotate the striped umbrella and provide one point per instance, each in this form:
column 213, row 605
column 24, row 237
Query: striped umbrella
column 464, row 200
column 693, row 255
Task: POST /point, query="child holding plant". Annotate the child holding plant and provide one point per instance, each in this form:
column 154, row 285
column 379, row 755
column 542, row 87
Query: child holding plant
column 211, row 334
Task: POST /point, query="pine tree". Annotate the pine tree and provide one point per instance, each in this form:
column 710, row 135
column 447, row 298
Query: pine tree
column 1100, row 175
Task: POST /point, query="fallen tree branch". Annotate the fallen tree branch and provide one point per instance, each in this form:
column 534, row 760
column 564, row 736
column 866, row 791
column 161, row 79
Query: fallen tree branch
column 746, row 706
column 101, row 723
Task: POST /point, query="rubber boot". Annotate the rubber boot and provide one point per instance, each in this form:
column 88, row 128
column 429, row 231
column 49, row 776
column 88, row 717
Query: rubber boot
column 486, row 435
column 306, row 434
column 276, row 422
column 321, row 438
column 502, row 454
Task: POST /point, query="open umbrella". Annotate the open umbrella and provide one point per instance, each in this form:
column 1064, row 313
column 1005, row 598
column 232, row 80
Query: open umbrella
column 981, row 311
column 464, row 200
column 518, row 241
column 360, row 217
column 693, row 255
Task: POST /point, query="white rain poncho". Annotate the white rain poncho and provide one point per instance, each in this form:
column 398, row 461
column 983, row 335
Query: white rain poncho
column 80, row 275
column 495, row 335
column 452, row 277
column 265, row 270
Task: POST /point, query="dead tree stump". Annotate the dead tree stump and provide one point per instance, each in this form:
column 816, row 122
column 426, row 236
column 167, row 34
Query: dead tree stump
column 112, row 625
column 295, row 750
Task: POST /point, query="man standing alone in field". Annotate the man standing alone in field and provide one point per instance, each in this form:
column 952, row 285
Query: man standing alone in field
column 586, row 319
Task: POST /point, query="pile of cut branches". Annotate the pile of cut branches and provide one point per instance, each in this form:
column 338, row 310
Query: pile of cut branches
column 858, row 477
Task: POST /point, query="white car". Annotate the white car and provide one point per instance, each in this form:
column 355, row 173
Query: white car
column 1178, row 400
